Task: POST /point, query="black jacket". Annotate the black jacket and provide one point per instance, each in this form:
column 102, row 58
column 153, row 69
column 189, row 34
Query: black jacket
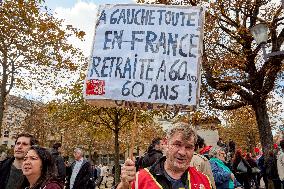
column 151, row 157
column 59, row 162
column 83, row 178
column 5, row 167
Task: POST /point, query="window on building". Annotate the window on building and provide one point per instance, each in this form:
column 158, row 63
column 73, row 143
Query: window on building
column 6, row 134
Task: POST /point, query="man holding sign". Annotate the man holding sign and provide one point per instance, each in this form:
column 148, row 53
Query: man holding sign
column 172, row 171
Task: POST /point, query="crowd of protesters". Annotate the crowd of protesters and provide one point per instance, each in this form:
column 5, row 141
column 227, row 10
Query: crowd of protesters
column 180, row 160
column 35, row 167
column 228, row 167
column 249, row 169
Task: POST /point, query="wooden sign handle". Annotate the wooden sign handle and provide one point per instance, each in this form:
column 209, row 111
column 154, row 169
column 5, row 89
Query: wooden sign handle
column 133, row 135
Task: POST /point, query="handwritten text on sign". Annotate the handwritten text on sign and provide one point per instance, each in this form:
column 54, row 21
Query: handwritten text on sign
column 146, row 54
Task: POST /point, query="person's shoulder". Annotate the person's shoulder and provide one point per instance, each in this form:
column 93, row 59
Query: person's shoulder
column 86, row 164
column 7, row 161
column 54, row 152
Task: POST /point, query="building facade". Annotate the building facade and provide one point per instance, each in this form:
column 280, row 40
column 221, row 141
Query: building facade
column 16, row 111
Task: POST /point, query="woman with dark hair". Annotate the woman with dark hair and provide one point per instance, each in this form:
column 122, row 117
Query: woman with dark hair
column 39, row 170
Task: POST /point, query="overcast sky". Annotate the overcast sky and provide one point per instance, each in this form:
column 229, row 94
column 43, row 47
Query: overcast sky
column 80, row 14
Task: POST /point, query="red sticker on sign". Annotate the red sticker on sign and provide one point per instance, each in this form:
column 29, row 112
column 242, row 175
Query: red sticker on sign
column 95, row 87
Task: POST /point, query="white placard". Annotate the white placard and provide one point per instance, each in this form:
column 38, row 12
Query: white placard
column 146, row 53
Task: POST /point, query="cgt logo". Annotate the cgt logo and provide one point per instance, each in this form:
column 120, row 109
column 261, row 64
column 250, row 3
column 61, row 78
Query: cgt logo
column 95, row 87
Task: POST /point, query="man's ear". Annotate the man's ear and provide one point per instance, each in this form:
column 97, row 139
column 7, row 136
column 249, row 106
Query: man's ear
column 164, row 141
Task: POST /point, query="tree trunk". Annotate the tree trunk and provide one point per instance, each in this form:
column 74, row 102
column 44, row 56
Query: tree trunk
column 116, row 155
column 3, row 92
column 2, row 109
column 264, row 127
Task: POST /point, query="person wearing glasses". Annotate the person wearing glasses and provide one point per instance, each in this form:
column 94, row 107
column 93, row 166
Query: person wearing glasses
column 223, row 176
column 40, row 170
column 170, row 171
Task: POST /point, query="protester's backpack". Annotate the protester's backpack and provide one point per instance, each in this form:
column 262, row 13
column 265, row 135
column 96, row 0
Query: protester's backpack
column 242, row 167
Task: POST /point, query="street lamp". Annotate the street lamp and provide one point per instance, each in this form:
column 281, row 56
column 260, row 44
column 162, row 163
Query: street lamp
column 260, row 34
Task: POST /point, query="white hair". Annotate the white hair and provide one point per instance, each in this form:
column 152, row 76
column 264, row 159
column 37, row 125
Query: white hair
column 214, row 151
column 79, row 150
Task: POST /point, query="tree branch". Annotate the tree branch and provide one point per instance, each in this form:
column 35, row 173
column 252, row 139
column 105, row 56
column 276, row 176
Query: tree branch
column 229, row 49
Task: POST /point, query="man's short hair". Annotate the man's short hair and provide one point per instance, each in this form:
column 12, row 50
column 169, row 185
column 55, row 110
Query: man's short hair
column 56, row 146
column 183, row 128
column 33, row 141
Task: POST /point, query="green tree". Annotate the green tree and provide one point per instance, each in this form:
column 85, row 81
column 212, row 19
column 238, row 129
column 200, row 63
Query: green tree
column 34, row 50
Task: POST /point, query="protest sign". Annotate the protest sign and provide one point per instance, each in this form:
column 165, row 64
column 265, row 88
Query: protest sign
column 146, row 54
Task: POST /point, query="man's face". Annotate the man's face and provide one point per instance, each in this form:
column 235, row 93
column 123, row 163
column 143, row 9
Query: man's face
column 221, row 155
column 77, row 155
column 22, row 145
column 59, row 149
column 179, row 152
column 159, row 146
